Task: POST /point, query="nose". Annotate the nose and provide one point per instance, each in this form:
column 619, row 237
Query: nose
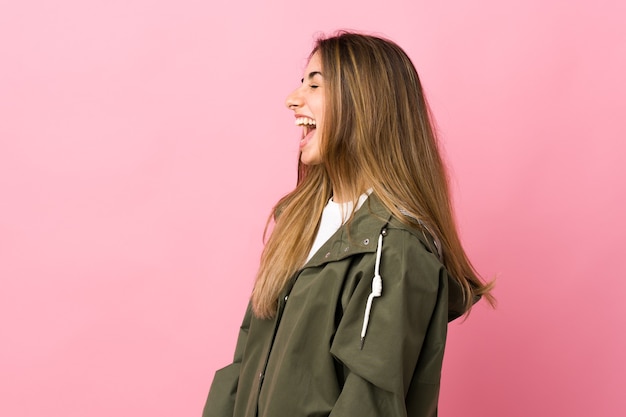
column 294, row 100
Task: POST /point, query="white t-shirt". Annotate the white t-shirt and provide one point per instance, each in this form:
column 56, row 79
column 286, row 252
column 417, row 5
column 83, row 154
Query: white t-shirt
column 332, row 220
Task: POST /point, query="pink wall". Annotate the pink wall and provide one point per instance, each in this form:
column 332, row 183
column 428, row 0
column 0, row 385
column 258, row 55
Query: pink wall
column 142, row 144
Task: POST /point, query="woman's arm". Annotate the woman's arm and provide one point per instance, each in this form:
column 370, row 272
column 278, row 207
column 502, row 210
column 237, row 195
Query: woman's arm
column 221, row 399
column 397, row 372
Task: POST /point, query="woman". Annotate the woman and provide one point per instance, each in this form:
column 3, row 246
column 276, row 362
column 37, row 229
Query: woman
column 364, row 267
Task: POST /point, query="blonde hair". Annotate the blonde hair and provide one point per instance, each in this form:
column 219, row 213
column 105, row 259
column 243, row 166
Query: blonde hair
column 377, row 134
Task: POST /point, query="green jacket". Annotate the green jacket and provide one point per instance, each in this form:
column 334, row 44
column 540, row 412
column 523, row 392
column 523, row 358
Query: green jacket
column 309, row 361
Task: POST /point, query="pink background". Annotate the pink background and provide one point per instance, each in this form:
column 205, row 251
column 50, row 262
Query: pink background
column 143, row 143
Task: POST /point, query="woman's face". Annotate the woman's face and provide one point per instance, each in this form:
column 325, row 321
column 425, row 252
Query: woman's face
column 307, row 103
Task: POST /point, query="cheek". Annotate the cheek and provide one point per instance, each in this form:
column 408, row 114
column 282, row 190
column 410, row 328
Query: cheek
column 319, row 108
column 320, row 121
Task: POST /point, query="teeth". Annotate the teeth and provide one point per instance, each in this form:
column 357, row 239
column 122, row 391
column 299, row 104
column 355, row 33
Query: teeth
column 305, row 121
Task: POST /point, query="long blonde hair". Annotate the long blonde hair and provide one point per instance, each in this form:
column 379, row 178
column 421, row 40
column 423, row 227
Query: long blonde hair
column 377, row 134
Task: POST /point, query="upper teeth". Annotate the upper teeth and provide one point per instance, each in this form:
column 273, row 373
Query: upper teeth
column 302, row 121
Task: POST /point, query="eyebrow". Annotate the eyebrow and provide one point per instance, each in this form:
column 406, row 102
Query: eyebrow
column 312, row 74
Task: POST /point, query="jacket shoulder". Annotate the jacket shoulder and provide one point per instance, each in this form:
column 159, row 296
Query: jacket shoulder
column 456, row 293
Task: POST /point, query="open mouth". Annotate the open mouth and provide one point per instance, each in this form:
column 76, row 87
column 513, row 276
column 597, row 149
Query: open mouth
column 308, row 129
column 308, row 125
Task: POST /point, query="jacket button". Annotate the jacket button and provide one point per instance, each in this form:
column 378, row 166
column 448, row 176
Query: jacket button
column 346, row 248
column 286, row 297
column 366, row 242
column 327, row 255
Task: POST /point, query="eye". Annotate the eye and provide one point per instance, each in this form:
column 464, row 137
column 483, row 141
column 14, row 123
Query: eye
column 313, row 86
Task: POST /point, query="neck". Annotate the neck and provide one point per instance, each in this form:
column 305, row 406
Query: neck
column 342, row 197
column 338, row 198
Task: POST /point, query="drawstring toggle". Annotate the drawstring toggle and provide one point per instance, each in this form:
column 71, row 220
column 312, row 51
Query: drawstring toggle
column 377, row 289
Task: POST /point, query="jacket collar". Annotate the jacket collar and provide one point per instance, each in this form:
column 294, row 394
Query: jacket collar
column 358, row 236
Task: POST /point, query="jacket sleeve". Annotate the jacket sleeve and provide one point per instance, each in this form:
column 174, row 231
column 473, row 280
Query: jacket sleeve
column 221, row 399
column 397, row 372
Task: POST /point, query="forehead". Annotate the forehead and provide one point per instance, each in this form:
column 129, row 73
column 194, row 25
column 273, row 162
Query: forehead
column 314, row 64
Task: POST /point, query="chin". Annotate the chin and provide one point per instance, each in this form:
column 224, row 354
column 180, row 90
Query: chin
column 310, row 161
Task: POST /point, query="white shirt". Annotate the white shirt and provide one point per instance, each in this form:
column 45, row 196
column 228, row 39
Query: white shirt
column 333, row 217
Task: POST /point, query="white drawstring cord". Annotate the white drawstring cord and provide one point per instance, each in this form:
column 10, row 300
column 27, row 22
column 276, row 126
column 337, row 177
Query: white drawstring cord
column 377, row 289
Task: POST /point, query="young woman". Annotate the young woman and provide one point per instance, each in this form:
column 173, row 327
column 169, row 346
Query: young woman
column 364, row 267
